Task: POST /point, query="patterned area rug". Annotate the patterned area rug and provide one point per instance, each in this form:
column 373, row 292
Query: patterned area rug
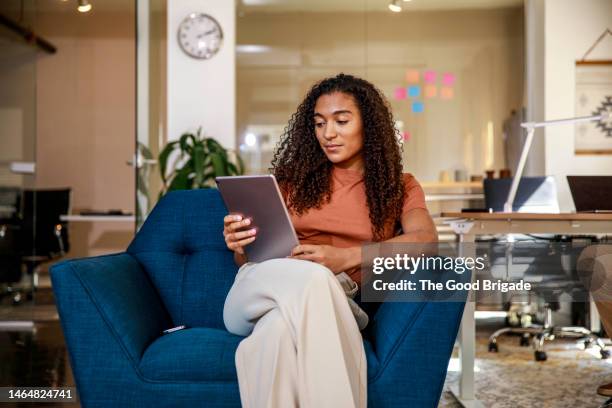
column 513, row 379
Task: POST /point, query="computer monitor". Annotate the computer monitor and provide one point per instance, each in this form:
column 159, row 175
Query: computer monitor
column 534, row 194
column 591, row 193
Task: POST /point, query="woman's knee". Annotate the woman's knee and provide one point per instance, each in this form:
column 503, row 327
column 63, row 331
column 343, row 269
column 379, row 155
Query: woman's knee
column 235, row 324
column 315, row 275
column 299, row 273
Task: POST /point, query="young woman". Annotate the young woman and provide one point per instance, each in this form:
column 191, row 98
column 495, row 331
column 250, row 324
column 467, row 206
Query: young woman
column 339, row 167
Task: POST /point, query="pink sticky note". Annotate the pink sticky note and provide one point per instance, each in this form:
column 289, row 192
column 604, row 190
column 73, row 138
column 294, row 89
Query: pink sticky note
column 448, row 79
column 429, row 77
column 412, row 76
column 431, row 91
column 406, row 136
column 400, row 93
column 446, row 93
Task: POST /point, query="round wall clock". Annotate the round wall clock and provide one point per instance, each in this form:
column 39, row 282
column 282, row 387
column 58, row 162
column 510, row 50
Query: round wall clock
column 200, row 36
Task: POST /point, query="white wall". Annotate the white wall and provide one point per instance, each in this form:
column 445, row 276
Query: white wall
column 571, row 27
column 202, row 92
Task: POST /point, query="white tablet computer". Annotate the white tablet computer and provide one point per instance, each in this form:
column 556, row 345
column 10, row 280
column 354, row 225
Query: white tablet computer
column 259, row 198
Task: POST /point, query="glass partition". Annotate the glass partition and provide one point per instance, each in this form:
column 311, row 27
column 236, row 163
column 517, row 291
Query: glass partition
column 18, row 149
column 66, row 132
column 452, row 77
column 18, row 104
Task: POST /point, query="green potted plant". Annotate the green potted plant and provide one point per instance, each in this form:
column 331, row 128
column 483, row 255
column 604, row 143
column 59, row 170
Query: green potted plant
column 200, row 159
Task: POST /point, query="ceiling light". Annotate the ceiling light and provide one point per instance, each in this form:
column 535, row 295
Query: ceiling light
column 250, row 139
column 84, row 6
column 394, row 6
column 252, row 49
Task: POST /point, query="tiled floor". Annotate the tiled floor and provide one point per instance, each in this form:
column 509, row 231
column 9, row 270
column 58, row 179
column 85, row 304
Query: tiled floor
column 32, row 347
column 35, row 357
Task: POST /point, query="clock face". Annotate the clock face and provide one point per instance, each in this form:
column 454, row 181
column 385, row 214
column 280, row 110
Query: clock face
column 200, row 35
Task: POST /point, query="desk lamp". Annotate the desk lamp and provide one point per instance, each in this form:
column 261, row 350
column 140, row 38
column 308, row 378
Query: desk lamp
column 605, row 115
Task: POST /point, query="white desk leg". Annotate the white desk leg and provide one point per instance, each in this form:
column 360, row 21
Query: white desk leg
column 467, row 353
column 594, row 319
column 467, row 339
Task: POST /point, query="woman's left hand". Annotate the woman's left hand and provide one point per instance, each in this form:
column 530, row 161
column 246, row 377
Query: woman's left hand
column 336, row 259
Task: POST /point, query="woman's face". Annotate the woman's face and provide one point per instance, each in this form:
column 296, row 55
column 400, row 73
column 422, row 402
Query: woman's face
column 339, row 129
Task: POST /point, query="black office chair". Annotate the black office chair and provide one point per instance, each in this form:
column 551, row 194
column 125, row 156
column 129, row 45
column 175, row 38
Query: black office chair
column 44, row 236
column 537, row 194
column 549, row 280
column 10, row 238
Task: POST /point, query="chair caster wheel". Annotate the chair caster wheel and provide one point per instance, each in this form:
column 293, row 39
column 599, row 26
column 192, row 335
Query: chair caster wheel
column 524, row 341
column 493, row 347
column 540, row 356
column 604, row 354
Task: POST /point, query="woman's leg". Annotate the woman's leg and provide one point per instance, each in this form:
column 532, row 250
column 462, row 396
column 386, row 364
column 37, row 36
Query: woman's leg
column 266, row 362
column 303, row 337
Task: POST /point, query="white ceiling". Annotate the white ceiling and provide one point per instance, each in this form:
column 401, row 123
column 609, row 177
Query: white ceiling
column 275, row 6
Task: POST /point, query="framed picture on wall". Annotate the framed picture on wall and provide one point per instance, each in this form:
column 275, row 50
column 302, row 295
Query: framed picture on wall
column 593, row 97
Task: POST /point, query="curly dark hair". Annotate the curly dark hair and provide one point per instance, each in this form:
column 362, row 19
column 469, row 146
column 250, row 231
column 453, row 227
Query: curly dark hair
column 304, row 172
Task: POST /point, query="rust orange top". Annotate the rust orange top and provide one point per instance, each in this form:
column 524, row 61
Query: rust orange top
column 344, row 221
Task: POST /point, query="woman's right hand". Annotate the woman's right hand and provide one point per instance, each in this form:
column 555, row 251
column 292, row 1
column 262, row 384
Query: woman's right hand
column 235, row 233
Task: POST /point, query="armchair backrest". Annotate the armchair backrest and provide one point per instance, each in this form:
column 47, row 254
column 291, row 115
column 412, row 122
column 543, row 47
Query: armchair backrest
column 181, row 248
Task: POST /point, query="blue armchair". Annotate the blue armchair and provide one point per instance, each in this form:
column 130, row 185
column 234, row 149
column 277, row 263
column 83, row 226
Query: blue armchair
column 177, row 270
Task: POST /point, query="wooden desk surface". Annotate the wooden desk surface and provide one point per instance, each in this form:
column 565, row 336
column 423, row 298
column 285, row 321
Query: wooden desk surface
column 530, row 216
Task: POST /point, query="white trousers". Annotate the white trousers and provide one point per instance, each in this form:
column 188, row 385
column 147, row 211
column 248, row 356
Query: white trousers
column 304, row 348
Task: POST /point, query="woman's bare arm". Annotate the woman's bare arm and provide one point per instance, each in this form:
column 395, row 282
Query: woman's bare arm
column 417, row 226
column 239, row 259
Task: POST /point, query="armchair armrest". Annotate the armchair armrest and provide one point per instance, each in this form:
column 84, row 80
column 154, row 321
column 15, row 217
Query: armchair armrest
column 413, row 342
column 404, row 327
column 121, row 293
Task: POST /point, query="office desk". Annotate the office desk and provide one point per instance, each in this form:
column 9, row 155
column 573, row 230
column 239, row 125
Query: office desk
column 469, row 225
